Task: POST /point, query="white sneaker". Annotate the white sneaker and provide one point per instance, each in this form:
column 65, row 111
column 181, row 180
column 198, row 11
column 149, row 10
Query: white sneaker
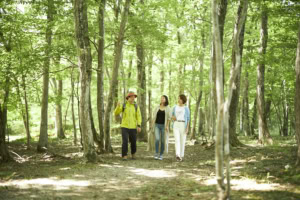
column 156, row 157
column 160, row 157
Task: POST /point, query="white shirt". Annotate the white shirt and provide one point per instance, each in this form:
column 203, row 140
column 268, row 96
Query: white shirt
column 179, row 113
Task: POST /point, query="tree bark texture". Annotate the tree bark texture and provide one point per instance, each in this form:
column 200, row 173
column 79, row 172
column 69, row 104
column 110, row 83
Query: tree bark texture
column 264, row 135
column 236, row 63
column 297, row 99
column 100, row 72
column 114, row 78
column 73, row 109
column 197, row 109
column 246, row 120
column 142, row 90
column 151, row 136
column 58, row 108
column 220, row 101
column 43, row 138
column 85, row 67
column 27, row 116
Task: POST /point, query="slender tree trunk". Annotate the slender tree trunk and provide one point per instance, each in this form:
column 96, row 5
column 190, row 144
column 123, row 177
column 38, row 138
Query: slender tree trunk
column 59, row 122
column 23, row 111
column 254, row 117
column 236, row 60
column 142, row 90
column 220, row 100
column 162, row 76
column 151, row 136
column 201, row 60
column 114, row 79
column 246, row 125
column 264, row 135
column 100, row 72
column 285, row 108
column 43, row 138
column 85, row 66
column 73, row 109
column 297, row 99
column 4, row 153
column 96, row 137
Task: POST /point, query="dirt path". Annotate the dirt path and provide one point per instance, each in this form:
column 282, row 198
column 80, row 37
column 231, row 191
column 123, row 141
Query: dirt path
column 257, row 174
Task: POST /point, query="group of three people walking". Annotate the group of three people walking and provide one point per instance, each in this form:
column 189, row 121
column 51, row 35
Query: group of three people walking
column 163, row 115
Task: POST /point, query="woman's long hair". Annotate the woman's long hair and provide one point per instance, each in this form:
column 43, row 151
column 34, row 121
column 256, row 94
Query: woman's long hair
column 167, row 100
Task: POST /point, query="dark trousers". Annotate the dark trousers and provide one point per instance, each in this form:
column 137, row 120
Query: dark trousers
column 131, row 134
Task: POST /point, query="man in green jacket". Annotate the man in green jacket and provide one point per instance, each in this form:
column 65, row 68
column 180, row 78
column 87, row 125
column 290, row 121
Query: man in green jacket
column 131, row 123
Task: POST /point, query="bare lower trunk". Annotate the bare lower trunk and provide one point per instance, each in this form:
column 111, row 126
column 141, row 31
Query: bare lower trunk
column 26, row 112
column 246, row 125
column 151, row 137
column 73, row 110
column 43, row 138
column 85, row 66
column 114, row 79
column 4, row 153
column 142, row 90
column 264, row 135
column 237, row 52
column 297, row 99
column 59, row 121
column 100, row 78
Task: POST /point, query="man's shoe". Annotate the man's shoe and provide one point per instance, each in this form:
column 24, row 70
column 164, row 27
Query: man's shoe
column 178, row 158
column 156, row 157
column 124, row 158
column 160, row 158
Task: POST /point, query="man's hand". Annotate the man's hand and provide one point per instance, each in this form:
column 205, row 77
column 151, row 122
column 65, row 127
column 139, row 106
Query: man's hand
column 173, row 118
column 139, row 129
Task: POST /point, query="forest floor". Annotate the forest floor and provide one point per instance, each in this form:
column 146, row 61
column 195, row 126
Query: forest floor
column 257, row 173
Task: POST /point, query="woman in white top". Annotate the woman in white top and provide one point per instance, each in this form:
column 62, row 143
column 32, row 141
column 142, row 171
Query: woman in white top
column 181, row 118
column 161, row 120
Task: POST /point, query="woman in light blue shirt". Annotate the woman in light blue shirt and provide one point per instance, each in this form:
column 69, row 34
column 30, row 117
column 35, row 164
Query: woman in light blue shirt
column 181, row 118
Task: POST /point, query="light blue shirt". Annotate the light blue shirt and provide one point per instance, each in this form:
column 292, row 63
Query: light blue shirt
column 186, row 114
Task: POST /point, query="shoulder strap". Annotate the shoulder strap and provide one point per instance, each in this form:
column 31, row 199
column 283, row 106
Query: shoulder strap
column 124, row 106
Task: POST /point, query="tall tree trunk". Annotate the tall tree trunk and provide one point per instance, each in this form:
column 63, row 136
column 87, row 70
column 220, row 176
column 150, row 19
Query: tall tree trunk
column 4, row 153
column 43, row 138
column 236, row 60
column 151, row 136
column 246, row 125
column 254, row 118
column 94, row 131
column 285, row 108
column 220, row 100
column 297, row 99
column 58, row 108
column 114, row 78
column 142, row 90
column 162, row 76
column 73, row 109
column 100, row 72
column 222, row 125
column 27, row 117
column 85, row 66
column 201, row 60
column 24, row 112
column 264, row 135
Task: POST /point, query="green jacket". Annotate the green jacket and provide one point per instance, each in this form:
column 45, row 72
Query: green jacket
column 130, row 119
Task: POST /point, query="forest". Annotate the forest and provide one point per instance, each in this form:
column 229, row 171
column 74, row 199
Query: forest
column 66, row 64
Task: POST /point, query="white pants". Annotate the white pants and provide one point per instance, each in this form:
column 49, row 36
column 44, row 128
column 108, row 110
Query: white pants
column 180, row 137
